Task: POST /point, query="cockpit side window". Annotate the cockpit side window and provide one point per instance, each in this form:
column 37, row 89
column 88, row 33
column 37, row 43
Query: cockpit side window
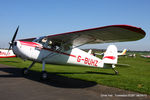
column 39, row 39
column 54, row 45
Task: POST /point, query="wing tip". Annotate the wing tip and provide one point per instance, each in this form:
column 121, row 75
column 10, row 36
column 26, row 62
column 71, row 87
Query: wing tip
column 132, row 28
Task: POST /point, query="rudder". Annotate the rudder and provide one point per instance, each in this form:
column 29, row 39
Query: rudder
column 111, row 55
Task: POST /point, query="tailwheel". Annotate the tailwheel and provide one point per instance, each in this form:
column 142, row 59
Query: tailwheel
column 116, row 72
column 44, row 75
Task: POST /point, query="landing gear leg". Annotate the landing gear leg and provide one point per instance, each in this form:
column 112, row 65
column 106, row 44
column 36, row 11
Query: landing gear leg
column 44, row 73
column 25, row 70
column 116, row 72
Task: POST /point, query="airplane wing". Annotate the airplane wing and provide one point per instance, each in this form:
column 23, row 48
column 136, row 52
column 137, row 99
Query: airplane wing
column 106, row 34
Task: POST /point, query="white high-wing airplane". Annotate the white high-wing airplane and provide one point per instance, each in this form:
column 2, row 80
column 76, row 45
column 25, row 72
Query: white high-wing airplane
column 145, row 56
column 62, row 48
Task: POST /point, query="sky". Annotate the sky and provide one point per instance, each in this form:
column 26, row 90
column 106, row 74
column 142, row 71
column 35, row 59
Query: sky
column 45, row 17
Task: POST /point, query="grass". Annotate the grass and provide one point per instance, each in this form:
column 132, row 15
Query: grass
column 134, row 77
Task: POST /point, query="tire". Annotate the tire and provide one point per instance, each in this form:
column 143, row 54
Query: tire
column 44, row 75
column 24, row 71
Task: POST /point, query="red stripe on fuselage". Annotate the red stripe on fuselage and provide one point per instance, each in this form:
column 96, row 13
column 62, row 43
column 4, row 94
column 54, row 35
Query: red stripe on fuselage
column 33, row 44
column 60, row 52
column 110, row 57
column 7, row 56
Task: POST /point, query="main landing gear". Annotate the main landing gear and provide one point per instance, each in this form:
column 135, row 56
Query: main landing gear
column 43, row 74
column 26, row 70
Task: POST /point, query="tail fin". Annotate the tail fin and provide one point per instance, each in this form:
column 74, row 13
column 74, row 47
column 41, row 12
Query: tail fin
column 111, row 55
column 123, row 52
column 90, row 51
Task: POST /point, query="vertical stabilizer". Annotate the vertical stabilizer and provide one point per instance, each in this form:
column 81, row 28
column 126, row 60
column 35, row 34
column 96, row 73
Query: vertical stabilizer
column 111, row 55
column 90, row 51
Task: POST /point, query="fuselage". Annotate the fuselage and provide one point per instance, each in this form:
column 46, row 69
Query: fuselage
column 37, row 52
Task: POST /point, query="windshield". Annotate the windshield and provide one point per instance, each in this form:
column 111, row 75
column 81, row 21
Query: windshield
column 54, row 45
column 39, row 39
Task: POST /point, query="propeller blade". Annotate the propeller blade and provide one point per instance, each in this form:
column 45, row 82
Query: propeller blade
column 14, row 36
column 11, row 43
column 8, row 51
column 9, row 47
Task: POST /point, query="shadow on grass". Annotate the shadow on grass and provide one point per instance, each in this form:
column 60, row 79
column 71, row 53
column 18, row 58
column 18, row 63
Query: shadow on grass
column 11, row 61
column 54, row 79
column 90, row 72
column 148, row 61
column 87, row 72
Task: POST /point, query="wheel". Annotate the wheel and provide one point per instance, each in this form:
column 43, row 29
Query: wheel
column 44, row 75
column 116, row 72
column 25, row 71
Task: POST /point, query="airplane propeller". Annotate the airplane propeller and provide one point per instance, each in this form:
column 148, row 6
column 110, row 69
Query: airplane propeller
column 13, row 39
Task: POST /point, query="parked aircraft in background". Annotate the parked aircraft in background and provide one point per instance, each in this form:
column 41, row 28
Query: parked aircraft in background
column 145, row 56
column 6, row 54
column 62, row 48
column 123, row 53
column 132, row 55
column 119, row 53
